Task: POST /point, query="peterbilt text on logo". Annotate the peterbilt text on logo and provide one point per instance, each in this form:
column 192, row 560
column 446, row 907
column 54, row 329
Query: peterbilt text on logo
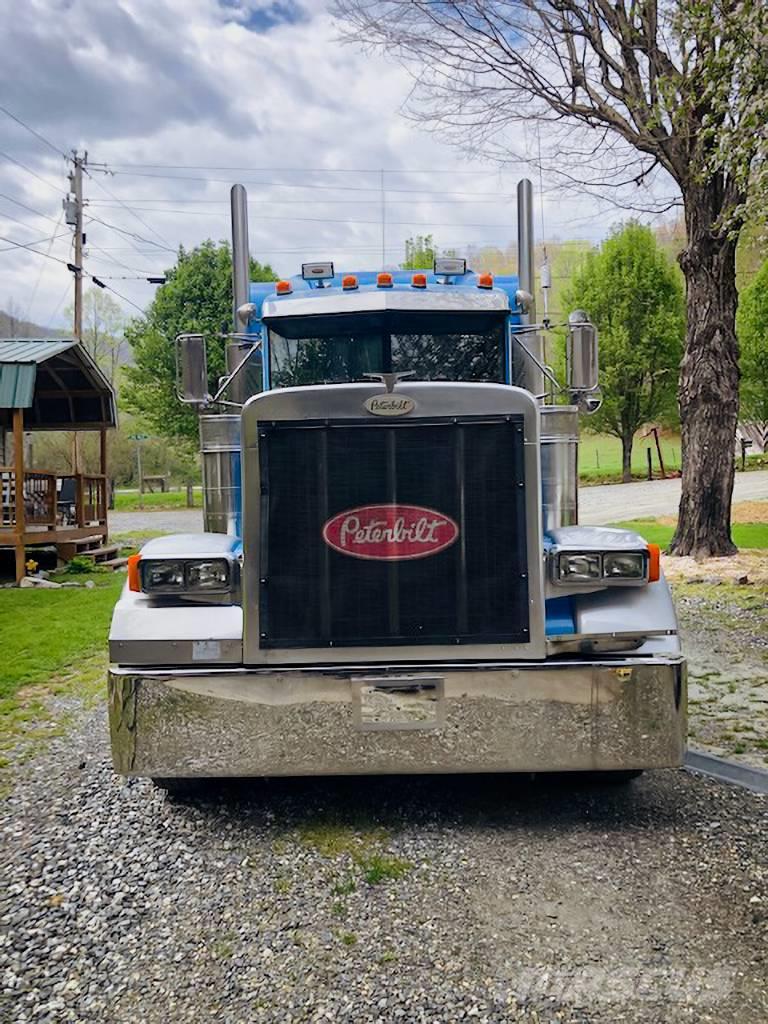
column 390, row 532
column 390, row 405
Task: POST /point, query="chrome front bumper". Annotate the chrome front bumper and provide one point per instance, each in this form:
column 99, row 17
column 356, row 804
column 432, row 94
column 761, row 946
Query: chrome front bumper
column 565, row 716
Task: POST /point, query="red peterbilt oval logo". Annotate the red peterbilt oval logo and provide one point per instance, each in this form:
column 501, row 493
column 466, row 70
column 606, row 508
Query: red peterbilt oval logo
column 390, row 533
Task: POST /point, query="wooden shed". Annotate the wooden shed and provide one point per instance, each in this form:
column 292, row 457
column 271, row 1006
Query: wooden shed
column 50, row 385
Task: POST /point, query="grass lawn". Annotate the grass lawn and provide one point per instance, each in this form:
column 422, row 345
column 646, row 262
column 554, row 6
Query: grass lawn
column 745, row 535
column 52, row 643
column 128, row 501
column 600, row 454
column 44, row 632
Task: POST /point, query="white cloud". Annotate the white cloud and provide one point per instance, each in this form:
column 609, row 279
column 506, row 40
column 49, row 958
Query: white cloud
column 260, row 84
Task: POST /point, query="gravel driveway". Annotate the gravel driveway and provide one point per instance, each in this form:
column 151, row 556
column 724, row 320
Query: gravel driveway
column 386, row 899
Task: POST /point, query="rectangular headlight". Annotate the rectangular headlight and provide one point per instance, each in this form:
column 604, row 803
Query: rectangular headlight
column 209, row 576
column 185, row 576
column 161, row 576
column 629, row 565
column 579, row 567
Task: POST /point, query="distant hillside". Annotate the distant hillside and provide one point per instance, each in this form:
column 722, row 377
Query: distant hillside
column 12, row 327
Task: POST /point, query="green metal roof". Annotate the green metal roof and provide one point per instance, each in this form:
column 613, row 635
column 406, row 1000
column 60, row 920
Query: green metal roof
column 32, row 350
column 19, row 359
column 57, row 384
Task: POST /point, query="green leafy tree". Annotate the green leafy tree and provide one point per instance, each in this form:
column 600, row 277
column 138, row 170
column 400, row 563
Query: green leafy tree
column 621, row 92
column 420, row 253
column 752, row 327
column 197, row 298
column 634, row 296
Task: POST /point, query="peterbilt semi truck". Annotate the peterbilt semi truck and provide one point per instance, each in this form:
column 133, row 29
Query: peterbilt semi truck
column 392, row 578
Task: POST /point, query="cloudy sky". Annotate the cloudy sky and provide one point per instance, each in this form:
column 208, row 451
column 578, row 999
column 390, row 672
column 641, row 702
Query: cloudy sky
column 178, row 99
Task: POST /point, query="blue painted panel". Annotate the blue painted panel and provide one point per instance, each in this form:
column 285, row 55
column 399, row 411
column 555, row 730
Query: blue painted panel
column 262, row 290
column 559, row 618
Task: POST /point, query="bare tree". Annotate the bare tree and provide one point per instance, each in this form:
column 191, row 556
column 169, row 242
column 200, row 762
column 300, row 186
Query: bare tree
column 103, row 324
column 622, row 93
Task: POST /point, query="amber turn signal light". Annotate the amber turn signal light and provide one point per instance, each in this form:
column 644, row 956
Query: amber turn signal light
column 134, row 579
column 654, row 563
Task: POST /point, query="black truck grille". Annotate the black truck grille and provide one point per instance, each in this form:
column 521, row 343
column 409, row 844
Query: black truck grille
column 405, row 533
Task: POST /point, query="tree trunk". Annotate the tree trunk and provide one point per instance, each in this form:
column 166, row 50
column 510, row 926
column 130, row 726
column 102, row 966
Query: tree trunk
column 626, row 457
column 709, row 381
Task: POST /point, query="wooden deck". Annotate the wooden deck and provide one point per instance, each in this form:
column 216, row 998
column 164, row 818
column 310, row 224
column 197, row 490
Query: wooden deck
column 58, row 509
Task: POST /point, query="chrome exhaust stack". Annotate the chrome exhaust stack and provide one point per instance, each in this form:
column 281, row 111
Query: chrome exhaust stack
column 241, row 288
column 531, row 376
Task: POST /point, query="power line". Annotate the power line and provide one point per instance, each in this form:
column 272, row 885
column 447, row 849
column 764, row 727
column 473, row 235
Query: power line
column 28, row 245
column 129, row 210
column 118, row 263
column 56, row 188
column 101, row 204
column 32, row 131
column 131, row 234
column 23, row 223
column 42, row 268
column 73, row 268
column 52, row 317
column 35, row 241
column 312, row 185
column 334, row 220
column 29, row 209
column 304, row 170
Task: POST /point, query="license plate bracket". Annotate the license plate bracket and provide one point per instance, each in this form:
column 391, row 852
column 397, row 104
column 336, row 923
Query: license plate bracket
column 398, row 703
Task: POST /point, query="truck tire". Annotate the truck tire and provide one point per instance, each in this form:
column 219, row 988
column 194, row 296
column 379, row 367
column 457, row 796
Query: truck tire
column 179, row 788
column 618, row 778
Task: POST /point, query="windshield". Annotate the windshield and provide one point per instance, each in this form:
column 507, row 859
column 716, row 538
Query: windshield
column 341, row 348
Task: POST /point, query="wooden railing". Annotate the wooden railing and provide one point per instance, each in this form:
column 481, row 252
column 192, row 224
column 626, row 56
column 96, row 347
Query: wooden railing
column 54, row 500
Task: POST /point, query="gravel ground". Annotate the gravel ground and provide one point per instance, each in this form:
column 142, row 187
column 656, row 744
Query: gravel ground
column 388, row 899
column 724, row 629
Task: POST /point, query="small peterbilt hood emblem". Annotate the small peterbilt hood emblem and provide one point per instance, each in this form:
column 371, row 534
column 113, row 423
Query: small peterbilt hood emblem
column 390, row 533
column 390, row 405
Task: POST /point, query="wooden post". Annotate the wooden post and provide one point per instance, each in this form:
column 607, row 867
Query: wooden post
column 658, row 452
column 79, row 500
column 18, row 472
column 104, row 491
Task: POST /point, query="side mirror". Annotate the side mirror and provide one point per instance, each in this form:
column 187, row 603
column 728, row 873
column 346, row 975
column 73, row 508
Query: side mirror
column 192, row 369
column 581, row 360
column 246, row 313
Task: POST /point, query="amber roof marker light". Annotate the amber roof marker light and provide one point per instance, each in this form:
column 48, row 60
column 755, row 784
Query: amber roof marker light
column 419, row 281
column 283, row 288
column 384, row 280
column 485, row 281
column 349, row 282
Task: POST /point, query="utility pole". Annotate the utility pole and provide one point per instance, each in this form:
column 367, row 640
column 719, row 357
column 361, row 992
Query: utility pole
column 76, row 182
column 73, row 206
